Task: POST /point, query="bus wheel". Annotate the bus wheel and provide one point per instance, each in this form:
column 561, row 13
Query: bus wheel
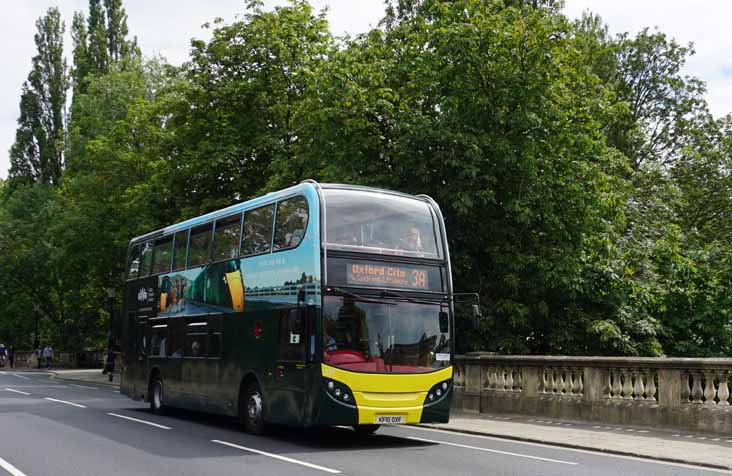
column 251, row 409
column 156, row 396
column 365, row 429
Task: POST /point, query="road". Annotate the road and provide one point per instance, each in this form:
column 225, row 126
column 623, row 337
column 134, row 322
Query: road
column 55, row 428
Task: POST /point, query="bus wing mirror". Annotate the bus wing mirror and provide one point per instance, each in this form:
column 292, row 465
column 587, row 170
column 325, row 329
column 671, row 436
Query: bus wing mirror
column 444, row 322
column 476, row 316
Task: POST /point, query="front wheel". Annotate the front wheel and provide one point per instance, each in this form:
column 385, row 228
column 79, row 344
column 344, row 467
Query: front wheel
column 251, row 409
column 157, row 393
column 365, row 429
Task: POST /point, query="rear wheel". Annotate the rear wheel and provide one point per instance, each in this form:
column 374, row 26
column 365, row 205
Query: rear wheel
column 157, row 392
column 251, row 409
column 365, row 429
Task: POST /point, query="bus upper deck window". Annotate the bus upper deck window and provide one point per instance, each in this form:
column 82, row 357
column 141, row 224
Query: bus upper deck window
column 292, row 220
column 257, row 236
column 133, row 264
column 199, row 248
column 179, row 252
column 146, row 256
column 226, row 238
column 163, row 252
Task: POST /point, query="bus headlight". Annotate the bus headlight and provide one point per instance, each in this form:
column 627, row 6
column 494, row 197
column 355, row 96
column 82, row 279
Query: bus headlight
column 437, row 392
column 340, row 392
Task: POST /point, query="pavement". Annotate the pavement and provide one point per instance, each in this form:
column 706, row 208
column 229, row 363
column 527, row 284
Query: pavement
column 575, row 438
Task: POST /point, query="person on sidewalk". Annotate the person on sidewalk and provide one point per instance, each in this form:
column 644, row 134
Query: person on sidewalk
column 39, row 355
column 48, row 355
column 2, row 355
column 11, row 356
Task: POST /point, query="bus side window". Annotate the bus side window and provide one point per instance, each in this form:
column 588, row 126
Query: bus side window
column 292, row 221
column 196, row 337
column 146, row 256
column 214, row 335
column 257, row 234
column 159, row 341
column 163, row 252
column 199, row 248
column 179, row 252
column 176, row 336
column 133, row 263
column 292, row 341
column 226, row 238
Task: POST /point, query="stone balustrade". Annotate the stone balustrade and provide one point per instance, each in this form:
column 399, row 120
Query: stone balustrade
column 678, row 393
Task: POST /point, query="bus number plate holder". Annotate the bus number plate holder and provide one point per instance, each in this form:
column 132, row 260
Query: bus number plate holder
column 389, row 419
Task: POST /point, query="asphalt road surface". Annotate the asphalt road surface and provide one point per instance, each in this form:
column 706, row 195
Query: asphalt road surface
column 55, row 428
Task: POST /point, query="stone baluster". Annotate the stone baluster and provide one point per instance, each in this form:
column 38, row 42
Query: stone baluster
column 617, row 384
column 627, row 384
column 607, row 385
column 638, row 388
column 543, row 384
column 696, row 388
column 581, row 381
column 709, row 391
column 577, row 382
column 508, row 372
column 723, row 392
column 651, row 386
column 556, row 381
column 566, row 382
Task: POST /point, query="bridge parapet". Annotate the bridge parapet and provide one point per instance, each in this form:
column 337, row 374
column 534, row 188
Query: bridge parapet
column 678, row 393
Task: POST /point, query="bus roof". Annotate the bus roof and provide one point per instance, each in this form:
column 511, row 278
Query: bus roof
column 308, row 187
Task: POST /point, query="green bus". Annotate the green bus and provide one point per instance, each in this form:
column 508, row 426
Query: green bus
column 320, row 304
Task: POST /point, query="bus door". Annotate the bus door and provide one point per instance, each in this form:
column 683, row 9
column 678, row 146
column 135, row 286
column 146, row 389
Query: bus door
column 293, row 369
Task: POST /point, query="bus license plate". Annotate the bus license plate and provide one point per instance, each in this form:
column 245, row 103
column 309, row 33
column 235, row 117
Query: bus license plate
column 390, row 419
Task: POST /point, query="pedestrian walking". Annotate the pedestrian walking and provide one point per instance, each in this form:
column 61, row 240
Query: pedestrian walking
column 11, row 356
column 39, row 355
column 48, row 355
column 2, row 355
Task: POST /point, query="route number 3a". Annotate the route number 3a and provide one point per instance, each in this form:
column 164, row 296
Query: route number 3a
column 419, row 278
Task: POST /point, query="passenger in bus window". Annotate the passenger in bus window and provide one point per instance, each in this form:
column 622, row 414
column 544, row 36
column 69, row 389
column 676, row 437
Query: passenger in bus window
column 413, row 239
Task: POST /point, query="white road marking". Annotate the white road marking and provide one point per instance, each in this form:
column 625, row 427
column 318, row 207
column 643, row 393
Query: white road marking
column 20, row 376
column 283, row 458
column 647, row 459
column 64, row 401
column 17, row 391
column 140, row 421
column 83, row 386
column 10, row 468
column 519, row 455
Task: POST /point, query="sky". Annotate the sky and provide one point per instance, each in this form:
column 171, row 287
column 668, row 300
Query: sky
column 165, row 27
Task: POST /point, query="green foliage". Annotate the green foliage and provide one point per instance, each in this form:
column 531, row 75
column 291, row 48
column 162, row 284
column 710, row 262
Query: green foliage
column 37, row 154
column 585, row 186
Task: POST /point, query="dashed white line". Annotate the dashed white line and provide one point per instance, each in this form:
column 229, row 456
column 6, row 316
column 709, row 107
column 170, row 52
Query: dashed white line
column 64, row 401
column 283, row 458
column 519, row 455
column 17, row 391
column 83, row 386
column 10, row 468
column 20, row 376
column 140, row 421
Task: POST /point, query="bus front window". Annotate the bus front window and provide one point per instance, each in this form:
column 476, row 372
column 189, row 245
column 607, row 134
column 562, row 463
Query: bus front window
column 384, row 336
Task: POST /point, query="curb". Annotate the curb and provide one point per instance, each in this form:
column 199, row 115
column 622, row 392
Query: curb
column 56, row 376
column 580, row 447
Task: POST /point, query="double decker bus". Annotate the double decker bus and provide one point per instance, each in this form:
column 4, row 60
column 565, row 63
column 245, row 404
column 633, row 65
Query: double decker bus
column 320, row 304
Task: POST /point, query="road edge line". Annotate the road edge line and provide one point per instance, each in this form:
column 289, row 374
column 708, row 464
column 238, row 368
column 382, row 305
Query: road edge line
column 581, row 447
column 279, row 457
column 10, row 468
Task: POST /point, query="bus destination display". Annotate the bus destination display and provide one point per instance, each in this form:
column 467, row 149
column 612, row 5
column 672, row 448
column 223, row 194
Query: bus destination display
column 388, row 276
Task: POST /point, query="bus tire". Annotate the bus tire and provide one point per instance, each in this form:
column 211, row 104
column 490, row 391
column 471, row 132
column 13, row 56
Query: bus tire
column 365, row 429
column 251, row 408
column 157, row 395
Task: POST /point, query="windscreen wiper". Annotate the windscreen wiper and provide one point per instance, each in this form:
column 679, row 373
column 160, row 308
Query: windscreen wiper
column 389, row 293
column 343, row 292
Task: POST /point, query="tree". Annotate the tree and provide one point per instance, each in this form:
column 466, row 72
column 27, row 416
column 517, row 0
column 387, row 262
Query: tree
column 38, row 152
